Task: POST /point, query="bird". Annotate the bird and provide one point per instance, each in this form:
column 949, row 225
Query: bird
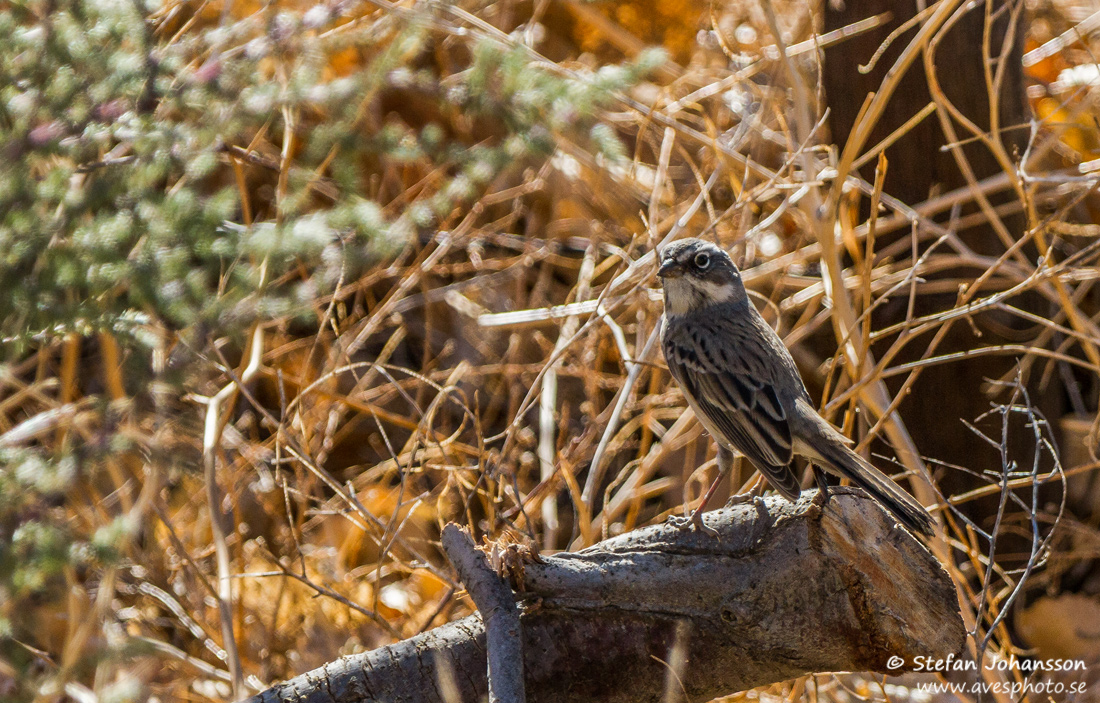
column 742, row 384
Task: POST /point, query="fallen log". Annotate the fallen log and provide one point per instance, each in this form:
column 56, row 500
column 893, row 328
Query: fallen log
column 787, row 589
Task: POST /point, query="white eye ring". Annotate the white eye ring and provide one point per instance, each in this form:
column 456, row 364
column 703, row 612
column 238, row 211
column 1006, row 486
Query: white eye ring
column 702, row 260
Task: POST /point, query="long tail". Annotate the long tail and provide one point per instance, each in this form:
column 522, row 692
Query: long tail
column 844, row 462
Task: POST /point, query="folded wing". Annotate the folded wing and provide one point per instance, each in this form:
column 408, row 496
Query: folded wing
column 738, row 402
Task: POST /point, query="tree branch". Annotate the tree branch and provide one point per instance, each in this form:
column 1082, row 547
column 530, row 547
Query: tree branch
column 788, row 589
column 497, row 605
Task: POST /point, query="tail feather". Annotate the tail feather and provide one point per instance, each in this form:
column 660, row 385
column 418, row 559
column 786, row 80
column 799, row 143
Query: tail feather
column 844, row 462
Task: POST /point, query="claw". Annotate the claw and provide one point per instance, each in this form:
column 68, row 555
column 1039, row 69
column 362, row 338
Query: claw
column 756, row 499
column 742, row 498
column 695, row 522
column 753, row 494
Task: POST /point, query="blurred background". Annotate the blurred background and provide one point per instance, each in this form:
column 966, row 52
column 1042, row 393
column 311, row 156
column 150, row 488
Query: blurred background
column 288, row 286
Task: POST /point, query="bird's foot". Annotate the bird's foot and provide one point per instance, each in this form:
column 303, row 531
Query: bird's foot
column 747, row 497
column 753, row 494
column 695, row 522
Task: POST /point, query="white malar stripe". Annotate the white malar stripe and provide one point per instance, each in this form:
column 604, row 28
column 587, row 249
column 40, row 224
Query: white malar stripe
column 714, row 292
column 688, row 294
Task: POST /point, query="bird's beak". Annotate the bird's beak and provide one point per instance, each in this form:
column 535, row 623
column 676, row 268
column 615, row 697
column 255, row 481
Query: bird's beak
column 670, row 268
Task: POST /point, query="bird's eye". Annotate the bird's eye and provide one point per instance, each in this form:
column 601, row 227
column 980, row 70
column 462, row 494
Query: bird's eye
column 702, row 260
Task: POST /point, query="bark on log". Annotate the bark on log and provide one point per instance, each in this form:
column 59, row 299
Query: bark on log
column 788, row 589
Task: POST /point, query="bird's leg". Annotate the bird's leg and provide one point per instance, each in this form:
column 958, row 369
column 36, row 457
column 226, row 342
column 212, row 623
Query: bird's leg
column 725, row 462
column 822, row 496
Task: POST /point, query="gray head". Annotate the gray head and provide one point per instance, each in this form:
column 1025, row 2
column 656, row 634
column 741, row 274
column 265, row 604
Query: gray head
column 696, row 274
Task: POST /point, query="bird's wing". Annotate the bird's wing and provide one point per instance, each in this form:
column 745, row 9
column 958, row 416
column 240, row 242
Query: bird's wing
column 738, row 400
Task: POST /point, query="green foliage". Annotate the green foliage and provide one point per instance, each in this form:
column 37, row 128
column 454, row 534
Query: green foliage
column 40, row 549
column 146, row 190
column 116, row 185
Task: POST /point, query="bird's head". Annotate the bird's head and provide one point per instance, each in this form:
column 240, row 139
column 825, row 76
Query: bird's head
column 696, row 274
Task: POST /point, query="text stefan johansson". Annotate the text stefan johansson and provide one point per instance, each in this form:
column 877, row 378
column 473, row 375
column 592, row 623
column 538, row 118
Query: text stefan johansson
column 953, row 663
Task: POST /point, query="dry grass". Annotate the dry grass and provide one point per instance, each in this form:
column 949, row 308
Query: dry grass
column 503, row 373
